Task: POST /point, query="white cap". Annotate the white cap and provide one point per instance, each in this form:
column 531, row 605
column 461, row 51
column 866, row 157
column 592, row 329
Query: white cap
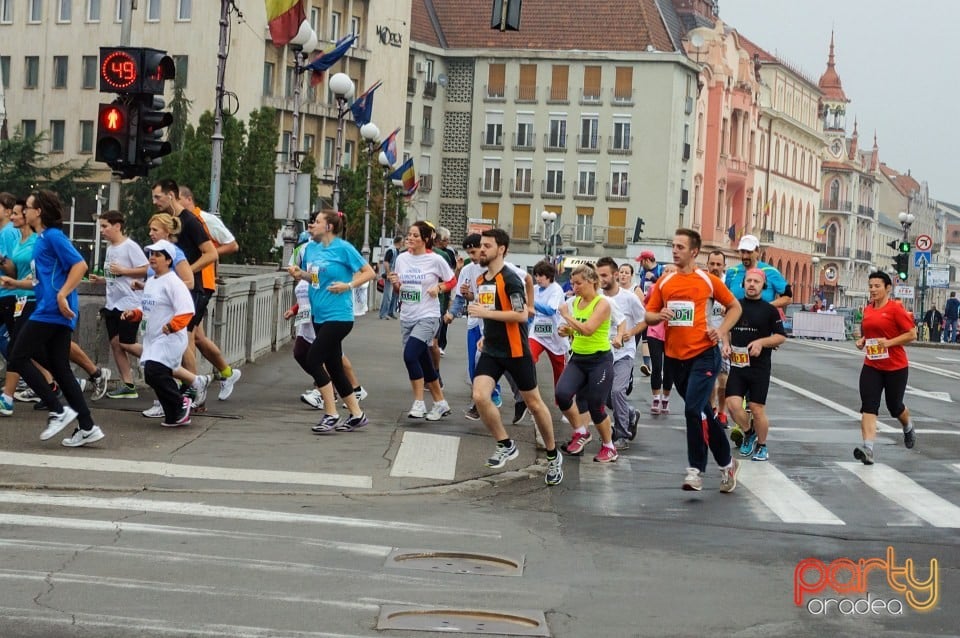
column 164, row 246
column 749, row 242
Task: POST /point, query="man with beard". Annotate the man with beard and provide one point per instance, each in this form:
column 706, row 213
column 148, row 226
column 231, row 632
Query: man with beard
column 776, row 290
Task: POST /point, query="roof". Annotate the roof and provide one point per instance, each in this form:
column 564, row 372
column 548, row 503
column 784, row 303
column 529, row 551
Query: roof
column 830, row 81
column 612, row 25
column 905, row 184
column 755, row 50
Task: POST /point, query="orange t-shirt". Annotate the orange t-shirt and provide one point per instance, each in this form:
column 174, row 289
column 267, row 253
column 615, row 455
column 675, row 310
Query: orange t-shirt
column 691, row 299
column 209, row 272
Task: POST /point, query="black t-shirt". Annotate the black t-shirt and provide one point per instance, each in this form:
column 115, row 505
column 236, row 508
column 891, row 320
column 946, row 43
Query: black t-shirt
column 503, row 291
column 759, row 319
column 192, row 235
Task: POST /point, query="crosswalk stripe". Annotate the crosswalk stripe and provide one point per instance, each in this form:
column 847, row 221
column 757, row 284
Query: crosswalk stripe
column 425, row 455
column 906, row 493
column 784, row 498
column 833, row 405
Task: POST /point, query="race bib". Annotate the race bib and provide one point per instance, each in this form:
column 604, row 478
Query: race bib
column 410, row 293
column 18, row 308
column 487, row 296
column 303, row 316
column 875, row 351
column 682, row 313
column 543, row 329
column 739, row 357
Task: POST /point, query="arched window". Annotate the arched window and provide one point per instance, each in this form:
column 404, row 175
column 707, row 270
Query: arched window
column 835, row 194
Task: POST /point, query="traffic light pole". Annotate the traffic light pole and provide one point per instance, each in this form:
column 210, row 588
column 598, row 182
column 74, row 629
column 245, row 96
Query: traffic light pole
column 216, row 153
column 126, row 14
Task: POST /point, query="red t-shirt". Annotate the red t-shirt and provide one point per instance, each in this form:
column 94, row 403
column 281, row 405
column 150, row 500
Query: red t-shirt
column 888, row 322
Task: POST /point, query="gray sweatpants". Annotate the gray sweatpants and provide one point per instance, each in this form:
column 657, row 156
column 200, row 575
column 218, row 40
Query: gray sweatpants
column 618, row 401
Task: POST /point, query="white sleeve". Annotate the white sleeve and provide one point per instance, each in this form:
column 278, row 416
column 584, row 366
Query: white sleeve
column 218, row 230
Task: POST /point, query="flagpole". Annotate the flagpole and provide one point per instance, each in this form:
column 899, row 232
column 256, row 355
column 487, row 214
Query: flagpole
column 293, row 165
column 216, row 151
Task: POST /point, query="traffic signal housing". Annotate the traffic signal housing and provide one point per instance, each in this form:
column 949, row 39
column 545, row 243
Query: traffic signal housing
column 902, row 265
column 151, row 119
column 899, row 245
column 113, row 134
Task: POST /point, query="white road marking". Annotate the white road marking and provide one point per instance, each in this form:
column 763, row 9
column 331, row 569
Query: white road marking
column 425, row 455
column 913, row 364
column 929, row 394
column 172, row 470
column 881, row 426
column 949, row 359
column 906, row 493
column 233, row 513
column 784, row 498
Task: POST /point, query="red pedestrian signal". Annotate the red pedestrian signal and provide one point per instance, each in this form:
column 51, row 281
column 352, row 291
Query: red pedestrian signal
column 113, row 119
column 113, row 135
column 119, row 70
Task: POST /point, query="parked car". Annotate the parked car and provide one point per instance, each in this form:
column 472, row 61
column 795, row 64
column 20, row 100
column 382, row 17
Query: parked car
column 788, row 317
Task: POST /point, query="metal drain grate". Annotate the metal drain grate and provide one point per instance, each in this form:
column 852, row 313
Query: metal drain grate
column 455, row 562
column 510, row 622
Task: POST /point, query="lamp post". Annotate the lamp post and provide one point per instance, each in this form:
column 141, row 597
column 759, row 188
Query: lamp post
column 371, row 134
column 816, row 274
column 385, row 163
column 342, row 87
column 906, row 221
column 549, row 219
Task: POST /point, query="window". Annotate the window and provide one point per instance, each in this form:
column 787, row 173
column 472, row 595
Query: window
column 491, row 176
column 93, row 10
column 86, row 136
column 427, row 117
column 6, row 11
column 34, row 11
column 57, row 129
column 493, row 134
column 589, row 125
column 59, row 71
column 335, row 26
column 65, row 12
column 522, row 182
column 617, row 231
column 587, row 179
column 525, row 134
column 328, row 147
column 347, row 154
column 315, row 19
column 496, row 79
column 308, row 143
column 31, row 71
column 182, row 65
column 29, row 128
column 285, row 145
column 591, row 83
column 621, row 135
column 5, row 70
column 623, row 87
column 89, row 71
column 153, row 10
column 584, row 231
column 121, row 10
column 557, row 137
column 521, row 222
column 619, row 180
column 288, row 82
column 554, row 183
column 527, row 90
column 268, row 68
column 558, row 82
column 355, row 29
column 184, row 10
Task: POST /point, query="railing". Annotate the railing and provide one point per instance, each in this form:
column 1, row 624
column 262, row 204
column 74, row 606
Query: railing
column 557, row 95
column 591, row 96
column 618, row 191
column 411, row 86
column 523, row 188
column 525, row 144
column 735, row 165
column 491, row 142
column 832, row 251
column 426, row 138
column 621, row 98
column 494, row 94
column 526, row 94
column 555, row 193
column 555, row 143
column 489, row 187
column 588, row 144
column 586, row 189
column 864, row 255
column 430, row 90
column 865, row 211
column 619, row 145
column 408, row 132
column 767, row 236
column 426, row 183
column 836, row 204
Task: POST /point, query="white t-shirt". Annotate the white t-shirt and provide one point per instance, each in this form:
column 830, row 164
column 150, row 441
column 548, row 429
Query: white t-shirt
column 544, row 328
column 303, row 319
column 120, row 294
column 417, row 273
column 632, row 310
column 716, row 314
column 164, row 298
column 219, row 233
column 469, row 275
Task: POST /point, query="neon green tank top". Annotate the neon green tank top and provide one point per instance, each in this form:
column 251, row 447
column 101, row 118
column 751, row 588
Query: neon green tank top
column 599, row 341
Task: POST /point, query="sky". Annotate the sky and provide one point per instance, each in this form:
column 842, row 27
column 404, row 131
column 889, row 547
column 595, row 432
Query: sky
column 896, row 61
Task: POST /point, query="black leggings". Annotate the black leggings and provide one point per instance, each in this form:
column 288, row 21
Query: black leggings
column 325, row 357
column 160, row 378
column 49, row 345
column 588, row 377
column 301, row 348
column 659, row 375
column 892, row 383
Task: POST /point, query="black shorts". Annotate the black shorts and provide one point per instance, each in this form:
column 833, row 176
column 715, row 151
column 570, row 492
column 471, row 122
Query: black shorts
column 126, row 331
column 522, row 369
column 201, row 298
column 752, row 383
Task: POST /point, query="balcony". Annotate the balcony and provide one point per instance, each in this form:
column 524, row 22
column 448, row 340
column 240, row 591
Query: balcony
column 429, row 90
column 557, row 95
column 767, row 236
column 621, row 98
column 619, row 145
column 618, row 192
column 591, row 97
column 865, row 211
column 735, row 165
column 494, row 94
column 555, row 143
column 426, row 138
column 489, row 187
column 584, row 190
column 408, row 132
column 522, row 143
column 831, row 251
column 522, row 188
column 411, row 86
column 526, row 95
column 864, row 255
column 552, row 190
column 588, row 144
column 426, row 183
column 838, row 205
column 490, row 141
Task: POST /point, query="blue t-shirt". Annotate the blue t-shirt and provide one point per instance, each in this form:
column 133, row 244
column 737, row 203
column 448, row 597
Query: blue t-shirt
column 327, row 265
column 53, row 258
column 775, row 286
column 9, row 238
column 23, row 260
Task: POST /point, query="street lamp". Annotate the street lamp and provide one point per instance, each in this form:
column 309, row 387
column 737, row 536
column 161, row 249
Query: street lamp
column 371, row 133
column 385, row 163
column 906, row 220
column 342, row 87
column 549, row 219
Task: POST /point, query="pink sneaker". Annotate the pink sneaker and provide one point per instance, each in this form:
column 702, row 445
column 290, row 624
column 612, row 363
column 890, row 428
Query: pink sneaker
column 665, row 406
column 606, row 455
column 655, row 407
column 576, row 444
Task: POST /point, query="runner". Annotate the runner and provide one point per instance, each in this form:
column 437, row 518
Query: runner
column 650, row 272
column 716, row 265
column 501, row 304
column 419, row 278
column 684, row 300
column 548, row 297
column 887, row 327
column 752, row 341
column 589, row 372
column 776, row 291
column 16, row 310
column 661, row 383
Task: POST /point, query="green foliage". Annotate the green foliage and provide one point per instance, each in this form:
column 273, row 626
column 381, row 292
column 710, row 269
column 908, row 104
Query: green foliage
column 252, row 220
column 353, row 188
column 24, row 168
column 180, row 110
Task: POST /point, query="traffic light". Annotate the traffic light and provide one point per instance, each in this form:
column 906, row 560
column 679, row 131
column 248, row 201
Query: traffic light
column 113, row 134
column 899, row 246
column 638, row 230
column 150, row 120
column 902, row 265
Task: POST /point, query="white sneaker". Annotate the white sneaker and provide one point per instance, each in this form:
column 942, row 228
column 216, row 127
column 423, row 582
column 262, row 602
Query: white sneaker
column 418, row 410
column 313, row 398
column 155, row 411
column 201, row 384
column 361, row 395
column 82, row 437
column 693, row 482
column 540, row 444
column 438, row 411
column 100, row 386
column 226, row 385
column 58, row 421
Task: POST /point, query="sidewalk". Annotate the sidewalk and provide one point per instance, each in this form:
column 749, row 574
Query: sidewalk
column 260, row 439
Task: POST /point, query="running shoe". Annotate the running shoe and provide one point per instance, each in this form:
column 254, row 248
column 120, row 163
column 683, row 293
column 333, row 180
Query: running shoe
column 100, row 384
column 761, row 454
column 497, row 399
column 360, row 395
column 327, row 425
column 864, row 455
column 200, row 386
column 910, row 438
column 693, row 482
column 634, row 423
column 418, row 410
column 554, row 473
column 472, row 413
column 352, row 423
column 226, row 385
column 645, row 369
column 312, row 398
column 728, row 476
column 184, row 418
column 155, row 411
column 438, row 411
column 664, row 406
column 621, row 444
column 6, row 407
column 574, row 447
column 736, row 435
column 749, row 442
column 722, row 418
column 56, row 421
column 27, row 395
column 124, row 391
column 655, row 406
column 606, row 455
column 82, row 437
column 520, row 412
column 502, row 454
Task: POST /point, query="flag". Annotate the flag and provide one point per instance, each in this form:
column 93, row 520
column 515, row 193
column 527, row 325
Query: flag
column 766, row 207
column 822, row 231
column 407, row 176
column 328, row 58
column 362, row 107
column 284, row 18
column 389, row 147
column 732, row 232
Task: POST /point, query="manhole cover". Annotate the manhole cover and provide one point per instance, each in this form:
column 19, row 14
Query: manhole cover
column 509, row 622
column 455, row 562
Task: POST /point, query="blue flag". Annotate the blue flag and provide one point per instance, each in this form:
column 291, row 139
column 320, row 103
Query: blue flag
column 398, row 174
column 362, row 107
column 328, row 58
column 389, row 148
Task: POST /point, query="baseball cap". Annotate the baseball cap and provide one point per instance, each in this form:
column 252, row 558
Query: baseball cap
column 647, row 254
column 163, row 246
column 749, row 242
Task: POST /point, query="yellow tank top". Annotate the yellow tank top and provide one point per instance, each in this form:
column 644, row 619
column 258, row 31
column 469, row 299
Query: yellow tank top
column 599, row 341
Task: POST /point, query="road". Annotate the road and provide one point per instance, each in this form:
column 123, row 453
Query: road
column 614, row 551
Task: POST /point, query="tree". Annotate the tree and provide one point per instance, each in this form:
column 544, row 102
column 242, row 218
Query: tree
column 353, row 189
column 252, row 219
column 24, row 168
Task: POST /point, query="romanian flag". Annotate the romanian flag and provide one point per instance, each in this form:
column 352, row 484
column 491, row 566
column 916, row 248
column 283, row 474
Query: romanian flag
column 328, row 58
column 766, row 207
column 389, row 148
column 407, row 176
column 822, row 231
column 362, row 107
column 284, row 18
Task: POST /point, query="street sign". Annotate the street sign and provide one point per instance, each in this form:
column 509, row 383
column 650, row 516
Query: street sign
column 903, row 292
column 921, row 257
column 938, row 276
column 924, row 243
